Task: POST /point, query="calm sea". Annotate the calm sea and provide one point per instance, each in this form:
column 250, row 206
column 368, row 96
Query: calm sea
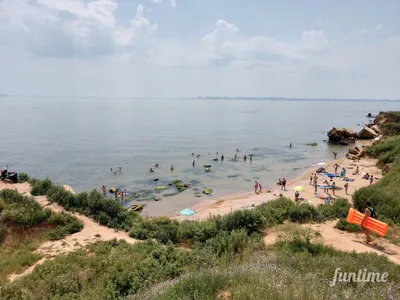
column 76, row 141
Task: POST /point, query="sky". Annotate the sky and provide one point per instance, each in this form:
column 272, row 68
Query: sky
column 189, row 48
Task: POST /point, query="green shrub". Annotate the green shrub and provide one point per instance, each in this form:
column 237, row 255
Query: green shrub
column 303, row 213
column 343, row 225
column 23, row 177
column 339, row 209
column 231, row 243
column 276, row 211
column 3, row 233
column 41, row 187
column 384, row 196
column 162, row 229
column 249, row 220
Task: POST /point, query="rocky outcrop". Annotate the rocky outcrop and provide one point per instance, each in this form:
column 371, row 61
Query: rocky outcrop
column 342, row 136
column 355, row 153
column 352, row 156
column 367, row 133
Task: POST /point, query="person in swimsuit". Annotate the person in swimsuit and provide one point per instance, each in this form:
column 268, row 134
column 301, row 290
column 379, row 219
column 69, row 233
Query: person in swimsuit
column 255, row 186
column 172, row 168
column 193, row 163
column 151, row 170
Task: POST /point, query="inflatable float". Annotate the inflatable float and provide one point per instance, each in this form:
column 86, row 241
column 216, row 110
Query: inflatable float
column 207, row 166
column 355, row 217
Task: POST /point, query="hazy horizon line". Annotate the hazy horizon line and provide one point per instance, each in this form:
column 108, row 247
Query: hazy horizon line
column 203, row 98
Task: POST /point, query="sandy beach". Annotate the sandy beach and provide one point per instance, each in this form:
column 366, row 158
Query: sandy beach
column 224, row 205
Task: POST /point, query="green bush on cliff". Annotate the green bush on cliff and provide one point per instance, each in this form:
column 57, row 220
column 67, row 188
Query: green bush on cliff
column 386, row 151
column 41, row 187
column 107, row 212
column 23, row 177
column 339, row 209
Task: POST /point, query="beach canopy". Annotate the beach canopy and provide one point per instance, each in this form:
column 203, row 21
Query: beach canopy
column 187, row 212
column 299, row 188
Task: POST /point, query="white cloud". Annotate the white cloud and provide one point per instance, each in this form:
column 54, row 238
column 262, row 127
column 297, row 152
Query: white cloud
column 377, row 28
column 172, row 3
column 70, row 27
column 86, row 37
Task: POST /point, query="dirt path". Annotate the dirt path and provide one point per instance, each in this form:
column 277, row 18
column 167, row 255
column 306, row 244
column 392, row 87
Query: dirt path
column 91, row 232
column 345, row 241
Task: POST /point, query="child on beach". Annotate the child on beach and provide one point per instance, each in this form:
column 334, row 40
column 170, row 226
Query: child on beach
column 346, row 186
column 335, row 166
column 311, row 178
column 371, row 179
column 260, row 186
column 296, row 196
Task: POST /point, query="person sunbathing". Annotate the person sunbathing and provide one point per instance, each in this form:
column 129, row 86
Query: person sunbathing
column 366, row 176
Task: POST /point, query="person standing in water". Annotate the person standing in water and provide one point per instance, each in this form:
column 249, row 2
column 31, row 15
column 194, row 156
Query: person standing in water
column 104, row 190
column 193, row 163
column 256, row 186
column 260, row 186
column 222, row 157
column 245, row 157
column 334, row 155
column 290, row 146
column 251, row 157
column 283, row 184
column 172, row 168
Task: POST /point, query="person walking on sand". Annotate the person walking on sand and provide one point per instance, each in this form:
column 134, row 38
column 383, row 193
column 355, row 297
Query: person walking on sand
column 315, row 188
column 334, row 155
column 369, row 212
column 371, row 179
column 346, row 187
column 256, row 186
column 315, row 178
column 311, row 178
column 333, row 188
column 335, row 166
column 260, row 186
column 283, row 184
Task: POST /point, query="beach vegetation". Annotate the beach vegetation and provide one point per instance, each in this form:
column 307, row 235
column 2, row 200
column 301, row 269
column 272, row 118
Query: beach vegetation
column 234, row 265
column 384, row 196
column 24, row 225
column 338, row 209
column 345, row 226
column 386, row 151
column 23, row 177
column 41, row 187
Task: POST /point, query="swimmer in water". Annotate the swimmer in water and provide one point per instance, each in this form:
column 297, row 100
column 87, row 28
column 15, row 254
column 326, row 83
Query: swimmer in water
column 156, row 165
column 172, row 168
column 198, row 155
column 151, row 170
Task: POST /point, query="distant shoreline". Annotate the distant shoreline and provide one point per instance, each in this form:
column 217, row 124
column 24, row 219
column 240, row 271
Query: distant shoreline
column 205, row 98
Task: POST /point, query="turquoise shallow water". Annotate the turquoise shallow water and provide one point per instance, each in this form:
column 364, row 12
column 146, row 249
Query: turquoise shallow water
column 76, row 141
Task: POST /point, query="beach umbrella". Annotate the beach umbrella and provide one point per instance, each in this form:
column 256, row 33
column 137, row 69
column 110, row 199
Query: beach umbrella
column 321, row 164
column 187, row 212
column 299, row 188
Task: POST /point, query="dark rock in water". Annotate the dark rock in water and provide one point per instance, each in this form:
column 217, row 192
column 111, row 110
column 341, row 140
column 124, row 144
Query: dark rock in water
column 169, row 195
column 155, row 179
column 233, row 176
column 342, row 136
